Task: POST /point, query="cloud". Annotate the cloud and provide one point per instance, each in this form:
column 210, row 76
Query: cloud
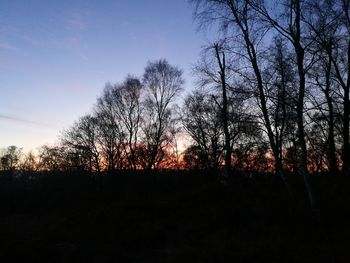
column 125, row 23
column 74, row 44
column 6, row 29
column 75, row 21
column 8, row 46
column 23, row 121
column 98, row 72
column 19, row 34
column 31, row 40
column 83, row 57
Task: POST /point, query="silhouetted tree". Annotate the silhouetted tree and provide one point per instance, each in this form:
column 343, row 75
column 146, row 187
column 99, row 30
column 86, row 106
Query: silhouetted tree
column 11, row 158
column 128, row 105
column 202, row 120
column 341, row 63
column 176, row 133
column 162, row 83
column 213, row 71
column 29, row 162
column 318, row 143
column 51, row 158
column 288, row 22
column 110, row 134
column 329, row 23
column 280, row 88
column 82, row 137
column 239, row 21
column 119, row 116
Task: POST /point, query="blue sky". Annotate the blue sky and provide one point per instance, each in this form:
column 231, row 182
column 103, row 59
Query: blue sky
column 56, row 56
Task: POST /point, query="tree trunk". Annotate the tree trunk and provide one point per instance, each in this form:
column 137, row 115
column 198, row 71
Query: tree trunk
column 299, row 50
column 222, row 65
column 346, row 121
column 332, row 160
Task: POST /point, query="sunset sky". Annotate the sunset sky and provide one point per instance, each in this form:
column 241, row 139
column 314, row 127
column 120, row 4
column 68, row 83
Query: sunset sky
column 56, row 57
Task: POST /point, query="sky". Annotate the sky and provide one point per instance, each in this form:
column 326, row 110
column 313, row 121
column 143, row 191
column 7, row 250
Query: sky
column 57, row 56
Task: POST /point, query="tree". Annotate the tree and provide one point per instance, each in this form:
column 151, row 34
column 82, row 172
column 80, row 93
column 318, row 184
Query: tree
column 342, row 69
column 110, row 134
column 11, row 158
column 321, row 76
column 213, row 71
column 162, row 83
column 82, row 137
column 202, row 120
column 288, row 21
column 238, row 19
column 331, row 30
column 280, row 86
column 29, row 162
column 51, row 158
column 176, row 132
column 128, row 110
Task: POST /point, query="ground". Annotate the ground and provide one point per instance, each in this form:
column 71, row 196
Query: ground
column 172, row 217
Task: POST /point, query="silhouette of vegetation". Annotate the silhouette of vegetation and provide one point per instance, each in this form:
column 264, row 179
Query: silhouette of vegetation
column 169, row 217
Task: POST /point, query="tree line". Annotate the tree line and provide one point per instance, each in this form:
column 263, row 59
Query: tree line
column 272, row 95
column 133, row 125
column 290, row 59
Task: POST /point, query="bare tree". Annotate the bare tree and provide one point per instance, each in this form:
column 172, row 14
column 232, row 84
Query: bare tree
column 342, row 67
column 51, row 158
column 111, row 134
column 82, row 136
column 240, row 21
column 280, row 86
column 332, row 31
column 321, row 76
column 29, row 162
column 162, row 83
column 329, row 24
column 213, row 71
column 176, row 132
column 202, row 120
column 128, row 109
column 11, row 158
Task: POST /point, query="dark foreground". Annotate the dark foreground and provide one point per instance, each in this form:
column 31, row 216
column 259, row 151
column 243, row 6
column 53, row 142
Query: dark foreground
column 172, row 217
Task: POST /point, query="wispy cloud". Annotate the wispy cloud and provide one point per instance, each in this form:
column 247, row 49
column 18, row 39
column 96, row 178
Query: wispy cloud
column 12, row 118
column 8, row 46
column 31, row 40
column 71, row 43
column 21, row 35
column 74, row 44
column 97, row 71
column 8, row 29
column 125, row 23
column 83, row 57
column 75, row 21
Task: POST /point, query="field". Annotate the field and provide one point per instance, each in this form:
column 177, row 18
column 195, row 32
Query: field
column 172, row 217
